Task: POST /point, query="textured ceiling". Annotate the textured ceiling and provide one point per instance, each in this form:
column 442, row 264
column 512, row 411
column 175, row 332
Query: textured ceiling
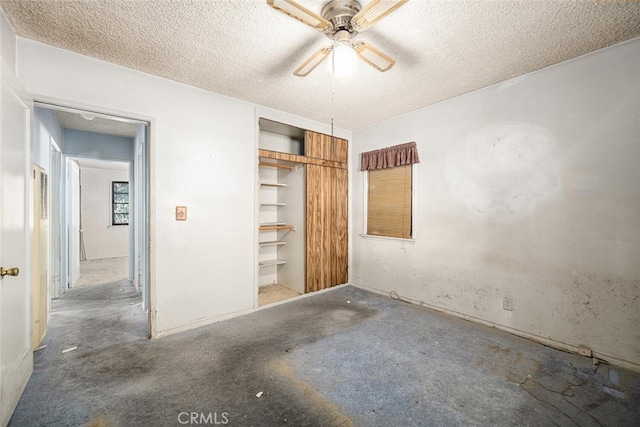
column 102, row 125
column 248, row 50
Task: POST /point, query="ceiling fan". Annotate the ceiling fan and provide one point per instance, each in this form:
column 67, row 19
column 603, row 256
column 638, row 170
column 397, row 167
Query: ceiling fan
column 341, row 21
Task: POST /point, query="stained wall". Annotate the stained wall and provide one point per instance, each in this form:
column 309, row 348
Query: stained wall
column 528, row 190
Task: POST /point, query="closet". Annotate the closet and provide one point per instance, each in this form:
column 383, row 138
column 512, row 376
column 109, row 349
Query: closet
column 303, row 217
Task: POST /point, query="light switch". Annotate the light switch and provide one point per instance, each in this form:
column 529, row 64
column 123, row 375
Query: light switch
column 181, row 213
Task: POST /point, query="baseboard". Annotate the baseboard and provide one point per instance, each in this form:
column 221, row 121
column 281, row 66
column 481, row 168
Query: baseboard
column 16, row 382
column 198, row 323
column 217, row 318
column 559, row 345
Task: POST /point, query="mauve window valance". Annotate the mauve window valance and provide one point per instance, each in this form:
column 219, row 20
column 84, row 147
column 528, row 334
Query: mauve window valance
column 390, row 157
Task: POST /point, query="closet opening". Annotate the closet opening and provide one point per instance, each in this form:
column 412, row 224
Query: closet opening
column 302, row 213
column 281, row 231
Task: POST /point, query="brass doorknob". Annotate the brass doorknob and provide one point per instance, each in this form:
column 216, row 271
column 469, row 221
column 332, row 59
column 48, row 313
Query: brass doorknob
column 9, row 271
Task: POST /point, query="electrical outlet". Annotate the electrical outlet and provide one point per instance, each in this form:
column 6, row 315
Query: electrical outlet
column 507, row 303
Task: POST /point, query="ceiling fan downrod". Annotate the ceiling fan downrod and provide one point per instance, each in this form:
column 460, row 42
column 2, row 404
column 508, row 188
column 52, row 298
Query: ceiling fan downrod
column 339, row 13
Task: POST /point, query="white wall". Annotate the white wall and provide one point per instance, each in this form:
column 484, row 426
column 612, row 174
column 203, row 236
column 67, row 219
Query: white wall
column 93, row 145
column 292, row 274
column 45, row 127
column 529, row 189
column 202, row 155
column 101, row 239
column 7, row 43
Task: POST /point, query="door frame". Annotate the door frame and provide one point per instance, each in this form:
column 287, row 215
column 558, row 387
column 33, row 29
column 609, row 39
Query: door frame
column 147, row 225
column 70, row 209
column 40, row 297
column 55, row 219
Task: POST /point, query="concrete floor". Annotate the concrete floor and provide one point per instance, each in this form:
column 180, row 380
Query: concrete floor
column 343, row 357
column 103, row 270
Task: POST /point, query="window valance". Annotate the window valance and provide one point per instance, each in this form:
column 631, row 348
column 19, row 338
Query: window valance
column 390, row 157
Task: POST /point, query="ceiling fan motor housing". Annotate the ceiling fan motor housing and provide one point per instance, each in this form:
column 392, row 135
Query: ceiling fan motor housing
column 339, row 13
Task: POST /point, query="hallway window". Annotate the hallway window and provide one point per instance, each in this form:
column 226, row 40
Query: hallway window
column 120, row 203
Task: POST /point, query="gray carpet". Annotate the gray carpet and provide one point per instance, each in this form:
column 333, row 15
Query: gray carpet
column 344, row 357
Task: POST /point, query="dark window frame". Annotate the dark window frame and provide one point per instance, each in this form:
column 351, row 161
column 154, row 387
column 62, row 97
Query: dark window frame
column 114, row 204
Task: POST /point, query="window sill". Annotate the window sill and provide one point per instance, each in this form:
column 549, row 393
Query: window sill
column 397, row 239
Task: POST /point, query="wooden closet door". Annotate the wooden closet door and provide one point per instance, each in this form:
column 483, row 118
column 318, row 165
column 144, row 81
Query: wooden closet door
column 327, row 219
column 340, row 223
column 321, row 146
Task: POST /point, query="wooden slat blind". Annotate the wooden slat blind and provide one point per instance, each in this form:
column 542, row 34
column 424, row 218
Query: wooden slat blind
column 389, row 202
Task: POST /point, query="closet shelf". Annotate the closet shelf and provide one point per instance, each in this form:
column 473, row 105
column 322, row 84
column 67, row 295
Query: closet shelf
column 273, row 243
column 276, row 165
column 271, row 262
column 276, row 226
column 272, row 184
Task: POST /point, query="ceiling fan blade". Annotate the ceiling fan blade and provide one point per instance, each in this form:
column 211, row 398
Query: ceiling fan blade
column 312, row 62
column 374, row 12
column 300, row 13
column 374, row 57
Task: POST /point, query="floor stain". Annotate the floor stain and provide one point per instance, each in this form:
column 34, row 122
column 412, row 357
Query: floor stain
column 330, row 413
column 508, row 363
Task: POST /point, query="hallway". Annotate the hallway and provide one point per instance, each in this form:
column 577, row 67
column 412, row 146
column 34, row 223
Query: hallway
column 86, row 322
column 103, row 270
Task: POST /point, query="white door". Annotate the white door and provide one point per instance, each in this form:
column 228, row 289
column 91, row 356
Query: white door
column 16, row 358
column 39, row 256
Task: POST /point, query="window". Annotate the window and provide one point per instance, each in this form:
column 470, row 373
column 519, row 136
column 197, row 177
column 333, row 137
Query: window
column 44, row 196
column 389, row 202
column 390, row 190
column 120, row 203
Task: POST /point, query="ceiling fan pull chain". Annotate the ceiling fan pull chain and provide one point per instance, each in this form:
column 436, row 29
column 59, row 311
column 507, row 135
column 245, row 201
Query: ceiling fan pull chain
column 333, row 91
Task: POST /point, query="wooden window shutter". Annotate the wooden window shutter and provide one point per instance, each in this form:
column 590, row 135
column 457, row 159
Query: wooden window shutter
column 389, row 202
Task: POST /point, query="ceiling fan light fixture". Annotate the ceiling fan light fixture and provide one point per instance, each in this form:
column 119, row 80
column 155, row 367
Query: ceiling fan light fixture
column 341, row 21
column 344, row 61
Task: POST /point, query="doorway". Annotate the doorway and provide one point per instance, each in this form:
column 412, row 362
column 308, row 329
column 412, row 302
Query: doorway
column 101, row 235
column 103, row 240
